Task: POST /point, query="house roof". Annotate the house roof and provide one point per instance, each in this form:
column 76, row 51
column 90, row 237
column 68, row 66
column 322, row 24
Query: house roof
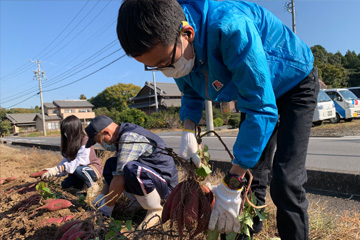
column 16, row 118
column 72, row 103
column 49, row 105
column 165, row 89
column 47, row 117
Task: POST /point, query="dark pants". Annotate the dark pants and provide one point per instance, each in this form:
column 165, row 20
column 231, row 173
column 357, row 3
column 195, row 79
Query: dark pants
column 289, row 142
column 82, row 174
column 139, row 178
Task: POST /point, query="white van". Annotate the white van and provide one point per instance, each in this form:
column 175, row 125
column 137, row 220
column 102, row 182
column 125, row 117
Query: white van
column 324, row 110
column 347, row 105
column 355, row 90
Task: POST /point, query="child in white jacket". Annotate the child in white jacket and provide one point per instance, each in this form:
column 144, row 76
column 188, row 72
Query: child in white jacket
column 80, row 163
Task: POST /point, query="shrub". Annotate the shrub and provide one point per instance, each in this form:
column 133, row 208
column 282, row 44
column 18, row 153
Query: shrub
column 218, row 122
column 234, row 120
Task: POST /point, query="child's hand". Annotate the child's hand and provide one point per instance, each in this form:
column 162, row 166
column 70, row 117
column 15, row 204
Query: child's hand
column 51, row 172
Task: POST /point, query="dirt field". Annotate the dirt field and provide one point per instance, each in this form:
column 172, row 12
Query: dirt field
column 330, row 217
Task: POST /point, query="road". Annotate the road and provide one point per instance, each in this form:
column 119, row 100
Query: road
column 335, row 154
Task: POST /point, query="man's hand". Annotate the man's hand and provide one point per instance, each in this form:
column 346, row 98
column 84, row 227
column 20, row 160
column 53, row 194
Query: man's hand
column 51, row 172
column 189, row 147
column 226, row 209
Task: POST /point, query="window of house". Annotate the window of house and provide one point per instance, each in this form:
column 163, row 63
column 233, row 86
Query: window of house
column 69, row 111
column 84, row 110
column 53, row 125
column 55, row 111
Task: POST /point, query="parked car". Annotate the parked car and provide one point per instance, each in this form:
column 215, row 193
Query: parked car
column 347, row 105
column 324, row 110
column 355, row 90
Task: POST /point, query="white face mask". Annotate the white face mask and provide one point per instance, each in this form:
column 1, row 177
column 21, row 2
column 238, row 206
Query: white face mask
column 182, row 67
column 108, row 147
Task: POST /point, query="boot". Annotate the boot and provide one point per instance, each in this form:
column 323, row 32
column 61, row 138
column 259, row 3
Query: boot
column 151, row 203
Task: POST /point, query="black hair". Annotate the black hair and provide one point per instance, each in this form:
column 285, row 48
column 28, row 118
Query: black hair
column 142, row 24
column 72, row 134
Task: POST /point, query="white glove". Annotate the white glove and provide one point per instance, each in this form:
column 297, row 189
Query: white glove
column 105, row 210
column 97, row 200
column 189, row 147
column 51, row 172
column 226, row 209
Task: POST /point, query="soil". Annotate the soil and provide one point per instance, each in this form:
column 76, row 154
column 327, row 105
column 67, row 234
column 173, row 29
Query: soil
column 25, row 222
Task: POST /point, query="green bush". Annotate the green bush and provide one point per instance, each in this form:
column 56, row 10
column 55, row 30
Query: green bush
column 234, row 120
column 164, row 119
column 218, row 122
column 132, row 115
column 5, row 127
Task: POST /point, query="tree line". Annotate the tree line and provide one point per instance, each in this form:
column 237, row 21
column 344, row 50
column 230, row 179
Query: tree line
column 336, row 70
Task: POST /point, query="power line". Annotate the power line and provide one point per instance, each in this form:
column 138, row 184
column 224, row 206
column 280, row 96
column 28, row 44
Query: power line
column 21, row 68
column 86, row 75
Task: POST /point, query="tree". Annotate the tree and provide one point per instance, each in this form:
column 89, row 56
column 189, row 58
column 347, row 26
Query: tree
column 117, row 96
column 334, row 77
column 82, row 97
column 335, row 59
column 5, row 127
column 3, row 112
column 320, row 54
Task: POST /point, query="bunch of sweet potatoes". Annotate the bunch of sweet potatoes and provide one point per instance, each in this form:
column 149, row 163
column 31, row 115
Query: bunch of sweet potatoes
column 189, row 206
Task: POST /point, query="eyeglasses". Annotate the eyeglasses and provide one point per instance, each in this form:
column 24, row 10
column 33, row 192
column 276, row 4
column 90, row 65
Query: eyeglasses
column 171, row 65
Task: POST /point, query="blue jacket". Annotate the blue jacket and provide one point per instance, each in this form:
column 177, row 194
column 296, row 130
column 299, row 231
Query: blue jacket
column 244, row 53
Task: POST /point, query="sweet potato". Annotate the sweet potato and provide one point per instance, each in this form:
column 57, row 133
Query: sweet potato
column 64, row 228
column 2, row 180
column 38, row 174
column 6, row 180
column 56, row 220
column 56, row 204
column 191, row 208
column 174, row 196
column 72, row 230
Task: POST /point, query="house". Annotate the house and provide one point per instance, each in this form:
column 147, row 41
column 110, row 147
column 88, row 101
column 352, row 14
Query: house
column 22, row 122
column 54, row 112
column 168, row 95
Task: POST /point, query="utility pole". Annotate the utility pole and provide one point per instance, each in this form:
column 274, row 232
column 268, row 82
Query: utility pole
column 155, row 92
column 209, row 117
column 38, row 75
column 291, row 9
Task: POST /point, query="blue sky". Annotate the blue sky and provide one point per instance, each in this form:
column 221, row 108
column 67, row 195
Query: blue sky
column 75, row 40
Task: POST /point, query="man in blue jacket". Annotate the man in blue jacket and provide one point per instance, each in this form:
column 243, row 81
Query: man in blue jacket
column 234, row 50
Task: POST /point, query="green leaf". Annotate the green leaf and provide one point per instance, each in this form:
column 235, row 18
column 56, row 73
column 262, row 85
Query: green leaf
column 110, row 234
column 262, row 215
column 203, row 171
column 206, row 148
column 246, row 231
column 231, row 236
column 46, row 189
column 206, row 155
column 249, row 222
column 212, row 234
column 128, row 225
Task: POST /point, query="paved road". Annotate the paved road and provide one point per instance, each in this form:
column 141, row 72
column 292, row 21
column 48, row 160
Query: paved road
column 337, row 154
